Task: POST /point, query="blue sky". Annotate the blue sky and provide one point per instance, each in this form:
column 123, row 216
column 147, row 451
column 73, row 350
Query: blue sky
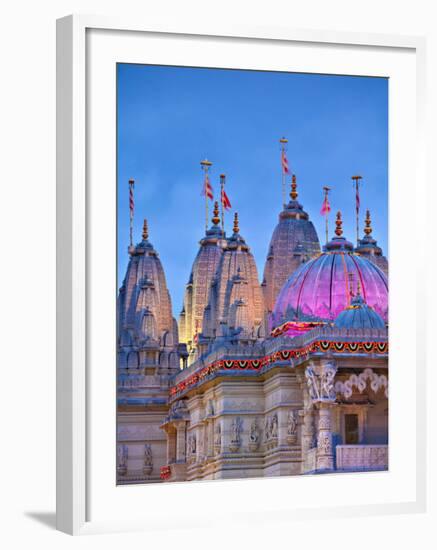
column 170, row 118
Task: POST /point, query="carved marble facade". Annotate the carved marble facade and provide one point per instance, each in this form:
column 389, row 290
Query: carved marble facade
column 285, row 422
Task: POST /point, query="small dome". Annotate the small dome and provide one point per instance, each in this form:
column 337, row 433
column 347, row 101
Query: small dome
column 359, row 315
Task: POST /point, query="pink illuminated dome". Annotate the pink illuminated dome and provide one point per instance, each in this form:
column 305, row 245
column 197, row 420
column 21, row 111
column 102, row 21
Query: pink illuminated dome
column 323, row 287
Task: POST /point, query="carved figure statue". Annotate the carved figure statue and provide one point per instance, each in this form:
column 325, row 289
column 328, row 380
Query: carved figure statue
column 148, row 461
column 218, row 435
column 236, row 429
column 274, row 426
column 325, row 445
column 267, row 433
column 292, row 423
column 210, row 408
column 312, row 382
column 327, row 381
column 191, row 444
column 254, row 432
column 320, row 381
column 122, row 455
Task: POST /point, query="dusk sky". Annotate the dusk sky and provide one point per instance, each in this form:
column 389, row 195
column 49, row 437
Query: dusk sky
column 170, row 118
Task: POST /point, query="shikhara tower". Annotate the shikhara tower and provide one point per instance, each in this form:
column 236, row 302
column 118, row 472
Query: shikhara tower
column 287, row 377
column 294, row 241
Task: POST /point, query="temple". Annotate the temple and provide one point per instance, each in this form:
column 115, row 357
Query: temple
column 286, row 377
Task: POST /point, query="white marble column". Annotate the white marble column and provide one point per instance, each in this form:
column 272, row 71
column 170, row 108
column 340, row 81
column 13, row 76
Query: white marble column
column 180, row 441
column 171, row 446
column 325, row 456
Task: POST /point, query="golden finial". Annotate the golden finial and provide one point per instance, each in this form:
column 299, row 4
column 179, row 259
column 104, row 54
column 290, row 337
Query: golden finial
column 293, row 193
column 368, row 222
column 205, row 163
column 145, row 231
column 283, row 140
column 215, row 218
column 351, row 284
column 358, row 287
column 236, row 228
column 339, row 225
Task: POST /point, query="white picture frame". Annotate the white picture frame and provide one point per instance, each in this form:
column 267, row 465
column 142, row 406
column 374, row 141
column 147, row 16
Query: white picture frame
column 76, row 234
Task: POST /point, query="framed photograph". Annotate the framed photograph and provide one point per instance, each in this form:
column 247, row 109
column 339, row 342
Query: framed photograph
column 236, row 215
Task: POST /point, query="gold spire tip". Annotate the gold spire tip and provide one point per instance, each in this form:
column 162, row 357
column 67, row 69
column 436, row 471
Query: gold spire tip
column 145, row 231
column 339, row 225
column 368, row 224
column 236, row 227
column 215, row 219
column 205, row 163
column 293, row 193
column 283, row 140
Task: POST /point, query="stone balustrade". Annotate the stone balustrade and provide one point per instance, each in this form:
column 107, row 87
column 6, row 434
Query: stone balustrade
column 362, row 457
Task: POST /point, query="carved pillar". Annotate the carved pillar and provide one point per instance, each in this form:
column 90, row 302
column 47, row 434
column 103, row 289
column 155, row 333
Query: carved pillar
column 210, row 439
column 320, row 383
column 308, row 425
column 325, row 455
column 180, row 441
column 171, row 446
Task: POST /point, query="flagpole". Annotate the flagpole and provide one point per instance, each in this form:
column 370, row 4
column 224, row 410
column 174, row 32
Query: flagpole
column 326, row 191
column 222, row 188
column 131, row 210
column 206, row 165
column 283, row 141
column 357, row 182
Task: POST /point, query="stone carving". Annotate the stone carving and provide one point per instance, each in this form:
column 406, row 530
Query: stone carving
column 359, row 381
column 274, row 427
column 209, row 408
column 292, row 428
column 353, row 457
column 267, row 429
column 218, row 437
column 192, row 445
column 254, row 435
column 236, row 430
column 122, row 454
column 148, row 460
column 325, row 458
column 320, row 381
column 324, row 445
column 139, row 433
column 271, row 431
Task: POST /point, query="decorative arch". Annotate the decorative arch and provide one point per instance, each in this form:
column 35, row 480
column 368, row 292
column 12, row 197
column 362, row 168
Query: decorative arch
column 377, row 382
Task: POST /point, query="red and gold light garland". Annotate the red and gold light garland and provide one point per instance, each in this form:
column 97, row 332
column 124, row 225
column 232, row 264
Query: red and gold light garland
column 296, row 327
column 284, row 355
column 165, row 472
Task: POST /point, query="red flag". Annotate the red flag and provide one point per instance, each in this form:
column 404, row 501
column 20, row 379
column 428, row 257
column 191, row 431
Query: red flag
column 207, row 188
column 326, row 207
column 284, row 162
column 225, row 200
column 357, row 199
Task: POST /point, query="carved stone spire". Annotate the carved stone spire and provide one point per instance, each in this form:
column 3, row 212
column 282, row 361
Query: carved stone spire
column 294, row 241
column 339, row 225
